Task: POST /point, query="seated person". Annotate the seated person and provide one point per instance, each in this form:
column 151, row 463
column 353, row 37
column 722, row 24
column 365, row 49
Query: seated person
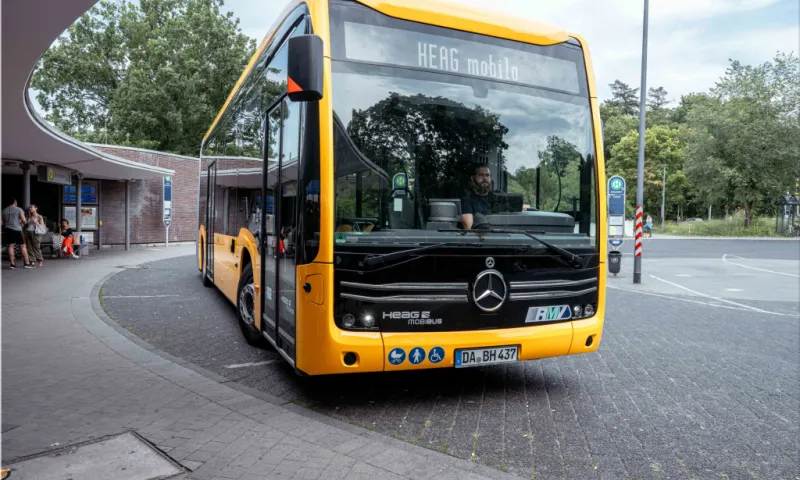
column 66, row 243
column 479, row 199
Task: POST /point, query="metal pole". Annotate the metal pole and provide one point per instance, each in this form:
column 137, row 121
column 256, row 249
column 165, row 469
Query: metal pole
column 663, row 197
column 127, row 214
column 709, row 213
column 166, row 244
column 26, row 185
column 99, row 238
column 78, row 205
column 637, row 259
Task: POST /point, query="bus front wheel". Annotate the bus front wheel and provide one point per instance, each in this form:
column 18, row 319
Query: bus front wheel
column 246, row 307
column 206, row 281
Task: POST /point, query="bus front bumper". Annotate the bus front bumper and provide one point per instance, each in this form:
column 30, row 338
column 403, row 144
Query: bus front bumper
column 376, row 352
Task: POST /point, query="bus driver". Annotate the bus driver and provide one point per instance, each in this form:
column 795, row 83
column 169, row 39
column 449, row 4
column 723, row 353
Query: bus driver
column 478, row 200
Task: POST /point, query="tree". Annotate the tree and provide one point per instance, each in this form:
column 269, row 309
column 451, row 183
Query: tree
column 663, row 146
column 680, row 114
column 556, row 161
column 152, row 73
column 624, row 98
column 615, row 126
column 657, row 98
column 744, row 144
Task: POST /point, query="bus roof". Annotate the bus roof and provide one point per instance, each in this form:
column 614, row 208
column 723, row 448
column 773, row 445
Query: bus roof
column 432, row 12
column 470, row 19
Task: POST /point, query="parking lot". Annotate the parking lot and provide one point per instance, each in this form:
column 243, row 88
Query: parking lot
column 696, row 376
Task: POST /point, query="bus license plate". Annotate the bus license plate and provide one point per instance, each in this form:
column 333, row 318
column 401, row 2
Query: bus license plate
column 474, row 357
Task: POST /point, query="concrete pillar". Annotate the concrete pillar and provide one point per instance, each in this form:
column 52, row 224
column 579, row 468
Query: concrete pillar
column 127, row 214
column 26, row 185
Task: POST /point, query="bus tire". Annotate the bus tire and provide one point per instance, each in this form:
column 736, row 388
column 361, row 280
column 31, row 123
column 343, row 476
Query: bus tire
column 246, row 307
column 206, row 281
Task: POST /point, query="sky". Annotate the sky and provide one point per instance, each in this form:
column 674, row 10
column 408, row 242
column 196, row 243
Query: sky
column 690, row 41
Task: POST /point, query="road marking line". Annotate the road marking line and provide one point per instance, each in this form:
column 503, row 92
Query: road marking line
column 734, row 290
column 681, row 299
column 716, row 298
column 250, row 364
column 724, row 259
column 682, row 275
column 139, row 296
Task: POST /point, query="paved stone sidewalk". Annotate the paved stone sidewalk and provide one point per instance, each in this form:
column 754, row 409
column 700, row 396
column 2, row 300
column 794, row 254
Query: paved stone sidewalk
column 68, row 377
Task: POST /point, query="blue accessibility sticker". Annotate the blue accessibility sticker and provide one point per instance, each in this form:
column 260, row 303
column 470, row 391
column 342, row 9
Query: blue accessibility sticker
column 416, row 355
column 436, row 355
column 397, row 356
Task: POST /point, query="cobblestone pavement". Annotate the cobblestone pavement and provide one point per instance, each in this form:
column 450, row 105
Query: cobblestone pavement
column 687, row 383
column 70, row 376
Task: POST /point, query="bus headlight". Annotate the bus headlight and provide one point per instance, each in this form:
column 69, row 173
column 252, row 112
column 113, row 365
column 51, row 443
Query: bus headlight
column 368, row 320
column 576, row 311
column 588, row 310
column 348, row 320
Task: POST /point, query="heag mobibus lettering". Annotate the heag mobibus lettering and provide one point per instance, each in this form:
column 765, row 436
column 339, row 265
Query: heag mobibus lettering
column 414, row 318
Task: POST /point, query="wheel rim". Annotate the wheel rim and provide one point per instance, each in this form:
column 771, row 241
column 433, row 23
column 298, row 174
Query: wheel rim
column 247, row 304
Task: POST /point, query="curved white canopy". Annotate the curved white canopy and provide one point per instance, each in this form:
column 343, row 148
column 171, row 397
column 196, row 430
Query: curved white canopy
column 29, row 28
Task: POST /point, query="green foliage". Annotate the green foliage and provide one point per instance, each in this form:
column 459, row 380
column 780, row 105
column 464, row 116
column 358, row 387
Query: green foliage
column 744, row 146
column 730, row 227
column 151, row 73
column 738, row 145
column 624, row 98
column 663, row 145
column 656, row 98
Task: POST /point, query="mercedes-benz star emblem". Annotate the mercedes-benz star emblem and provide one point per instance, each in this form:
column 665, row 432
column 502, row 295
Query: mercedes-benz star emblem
column 489, row 290
column 489, row 262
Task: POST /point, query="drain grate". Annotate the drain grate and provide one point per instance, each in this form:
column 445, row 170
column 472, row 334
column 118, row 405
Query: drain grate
column 125, row 456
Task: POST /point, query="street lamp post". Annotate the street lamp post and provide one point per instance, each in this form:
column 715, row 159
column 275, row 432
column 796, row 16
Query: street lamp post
column 663, row 196
column 637, row 258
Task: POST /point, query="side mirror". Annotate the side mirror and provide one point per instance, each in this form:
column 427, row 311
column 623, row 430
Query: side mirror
column 305, row 68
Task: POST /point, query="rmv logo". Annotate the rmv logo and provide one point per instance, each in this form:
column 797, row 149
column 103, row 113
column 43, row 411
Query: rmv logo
column 547, row 314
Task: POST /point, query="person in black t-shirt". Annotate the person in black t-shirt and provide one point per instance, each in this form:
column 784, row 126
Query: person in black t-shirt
column 478, row 201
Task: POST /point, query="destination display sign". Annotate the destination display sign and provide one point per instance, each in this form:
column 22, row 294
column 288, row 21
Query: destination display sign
column 378, row 44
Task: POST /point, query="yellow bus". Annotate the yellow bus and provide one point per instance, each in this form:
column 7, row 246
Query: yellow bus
column 407, row 184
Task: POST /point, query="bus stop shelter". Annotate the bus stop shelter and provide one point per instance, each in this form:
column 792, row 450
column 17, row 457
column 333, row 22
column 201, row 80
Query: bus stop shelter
column 787, row 215
column 29, row 143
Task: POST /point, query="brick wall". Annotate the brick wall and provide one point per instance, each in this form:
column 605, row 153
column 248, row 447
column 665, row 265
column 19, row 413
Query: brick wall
column 146, row 200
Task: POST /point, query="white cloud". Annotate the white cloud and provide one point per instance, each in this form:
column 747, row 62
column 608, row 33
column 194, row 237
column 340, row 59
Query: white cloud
column 688, row 49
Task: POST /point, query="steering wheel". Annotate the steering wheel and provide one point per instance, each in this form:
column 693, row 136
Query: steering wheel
column 481, row 223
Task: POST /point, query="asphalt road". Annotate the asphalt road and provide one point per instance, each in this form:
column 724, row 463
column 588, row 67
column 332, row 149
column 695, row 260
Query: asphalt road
column 696, row 377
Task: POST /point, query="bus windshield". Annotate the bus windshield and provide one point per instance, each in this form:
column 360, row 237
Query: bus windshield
column 437, row 130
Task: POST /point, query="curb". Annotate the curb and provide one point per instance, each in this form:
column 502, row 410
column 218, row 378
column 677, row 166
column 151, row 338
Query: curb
column 444, row 458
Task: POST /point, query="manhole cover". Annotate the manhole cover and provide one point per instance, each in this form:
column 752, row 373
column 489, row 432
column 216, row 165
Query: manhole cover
column 122, row 457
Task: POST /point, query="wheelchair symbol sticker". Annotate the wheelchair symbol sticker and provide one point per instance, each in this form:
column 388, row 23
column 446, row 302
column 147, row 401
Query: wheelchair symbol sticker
column 436, row 355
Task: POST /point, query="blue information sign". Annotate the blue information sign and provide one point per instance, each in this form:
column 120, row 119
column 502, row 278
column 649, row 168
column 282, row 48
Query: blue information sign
column 168, row 189
column 616, row 210
column 88, row 194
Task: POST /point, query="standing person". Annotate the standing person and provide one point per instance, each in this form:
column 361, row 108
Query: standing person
column 34, row 226
column 13, row 220
column 66, row 244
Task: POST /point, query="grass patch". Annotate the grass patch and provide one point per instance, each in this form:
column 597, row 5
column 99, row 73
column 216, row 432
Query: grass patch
column 731, row 227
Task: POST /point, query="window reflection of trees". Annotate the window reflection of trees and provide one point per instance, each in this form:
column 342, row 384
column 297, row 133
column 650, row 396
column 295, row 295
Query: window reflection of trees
column 443, row 139
column 439, row 137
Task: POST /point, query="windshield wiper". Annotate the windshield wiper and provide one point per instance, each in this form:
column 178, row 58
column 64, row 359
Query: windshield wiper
column 384, row 258
column 571, row 259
